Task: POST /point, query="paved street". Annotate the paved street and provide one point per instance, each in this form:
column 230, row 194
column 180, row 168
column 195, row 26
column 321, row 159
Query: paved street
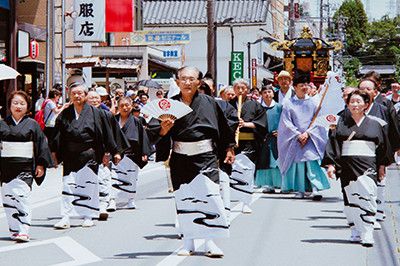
column 281, row 231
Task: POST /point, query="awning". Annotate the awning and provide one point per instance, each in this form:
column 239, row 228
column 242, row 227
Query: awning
column 157, row 65
column 381, row 69
column 78, row 62
column 35, row 32
column 120, row 64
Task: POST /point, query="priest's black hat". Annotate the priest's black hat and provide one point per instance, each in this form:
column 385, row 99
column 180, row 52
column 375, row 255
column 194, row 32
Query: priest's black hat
column 301, row 77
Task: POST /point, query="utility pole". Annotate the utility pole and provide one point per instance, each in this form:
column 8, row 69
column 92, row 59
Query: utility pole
column 291, row 20
column 321, row 24
column 211, row 45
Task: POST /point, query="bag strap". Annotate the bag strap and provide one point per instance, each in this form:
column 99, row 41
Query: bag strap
column 45, row 103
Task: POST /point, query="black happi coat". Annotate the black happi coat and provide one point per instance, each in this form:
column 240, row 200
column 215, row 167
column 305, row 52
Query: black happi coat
column 26, row 130
column 206, row 121
column 349, row 168
column 138, row 140
column 230, row 114
column 252, row 111
column 77, row 142
column 118, row 135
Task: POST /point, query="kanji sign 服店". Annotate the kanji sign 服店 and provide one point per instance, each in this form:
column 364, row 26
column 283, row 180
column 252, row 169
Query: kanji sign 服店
column 89, row 25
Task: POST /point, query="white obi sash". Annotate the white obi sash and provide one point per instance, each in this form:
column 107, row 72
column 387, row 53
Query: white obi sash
column 17, row 149
column 358, row 148
column 193, row 148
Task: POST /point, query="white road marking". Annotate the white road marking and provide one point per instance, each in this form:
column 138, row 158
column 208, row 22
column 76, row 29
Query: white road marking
column 174, row 259
column 79, row 253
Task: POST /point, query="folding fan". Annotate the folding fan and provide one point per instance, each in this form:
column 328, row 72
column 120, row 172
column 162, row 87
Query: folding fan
column 326, row 120
column 166, row 108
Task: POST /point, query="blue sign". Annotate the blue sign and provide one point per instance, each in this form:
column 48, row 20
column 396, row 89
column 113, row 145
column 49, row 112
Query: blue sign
column 167, row 37
column 170, row 53
column 5, row 4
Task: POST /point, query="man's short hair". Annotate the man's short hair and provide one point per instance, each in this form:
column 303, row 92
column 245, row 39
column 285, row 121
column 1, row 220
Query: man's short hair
column 374, row 75
column 241, row 80
column 199, row 73
column 370, row 80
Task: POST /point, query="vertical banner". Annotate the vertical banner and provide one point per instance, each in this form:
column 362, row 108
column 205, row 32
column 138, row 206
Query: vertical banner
column 253, row 73
column 236, row 66
column 89, row 25
column 120, row 15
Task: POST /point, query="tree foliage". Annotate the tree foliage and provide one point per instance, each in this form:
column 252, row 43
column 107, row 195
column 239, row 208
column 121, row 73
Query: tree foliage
column 356, row 25
column 382, row 47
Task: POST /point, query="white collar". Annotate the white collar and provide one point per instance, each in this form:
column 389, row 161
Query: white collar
column 16, row 122
column 359, row 123
column 76, row 114
column 265, row 105
column 369, row 110
column 297, row 98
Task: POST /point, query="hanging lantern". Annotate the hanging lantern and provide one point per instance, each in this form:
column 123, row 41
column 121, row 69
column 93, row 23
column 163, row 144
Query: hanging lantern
column 34, row 49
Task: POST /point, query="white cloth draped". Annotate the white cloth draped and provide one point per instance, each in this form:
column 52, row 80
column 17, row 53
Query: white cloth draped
column 361, row 195
column 242, row 179
column 80, row 196
column 200, row 209
column 15, row 197
column 124, row 177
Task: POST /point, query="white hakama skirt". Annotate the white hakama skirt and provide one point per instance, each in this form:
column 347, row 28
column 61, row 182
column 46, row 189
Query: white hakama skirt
column 124, row 177
column 242, row 179
column 225, row 191
column 80, row 195
column 15, row 197
column 200, row 209
column 362, row 208
column 104, row 186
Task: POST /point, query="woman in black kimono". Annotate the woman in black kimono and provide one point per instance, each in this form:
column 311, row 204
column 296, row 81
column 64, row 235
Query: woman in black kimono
column 24, row 157
column 125, row 174
column 358, row 152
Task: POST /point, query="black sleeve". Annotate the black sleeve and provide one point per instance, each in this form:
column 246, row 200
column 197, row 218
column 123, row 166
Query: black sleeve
column 384, row 154
column 226, row 135
column 261, row 123
column 118, row 135
column 332, row 152
column 162, row 143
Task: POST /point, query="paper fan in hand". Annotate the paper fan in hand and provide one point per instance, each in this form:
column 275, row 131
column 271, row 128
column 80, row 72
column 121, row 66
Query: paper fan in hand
column 166, row 108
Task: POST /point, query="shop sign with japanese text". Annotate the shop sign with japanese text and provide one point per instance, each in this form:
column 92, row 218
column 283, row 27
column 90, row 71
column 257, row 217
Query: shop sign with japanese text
column 160, row 37
column 236, row 66
column 89, row 24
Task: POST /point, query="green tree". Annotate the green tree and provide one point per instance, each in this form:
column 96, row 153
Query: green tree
column 350, row 68
column 383, row 42
column 356, row 25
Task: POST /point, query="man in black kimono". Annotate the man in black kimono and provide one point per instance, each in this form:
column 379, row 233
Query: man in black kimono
column 82, row 137
column 383, row 112
column 104, row 173
column 196, row 138
column 253, row 127
column 230, row 114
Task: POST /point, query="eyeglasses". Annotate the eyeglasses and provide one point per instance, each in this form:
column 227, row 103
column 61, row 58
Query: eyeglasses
column 184, row 80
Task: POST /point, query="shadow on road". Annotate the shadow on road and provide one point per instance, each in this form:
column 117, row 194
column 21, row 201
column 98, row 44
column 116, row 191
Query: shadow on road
column 143, row 255
column 330, row 241
column 313, row 218
column 166, row 225
column 155, row 237
column 331, row 227
column 160, row 198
